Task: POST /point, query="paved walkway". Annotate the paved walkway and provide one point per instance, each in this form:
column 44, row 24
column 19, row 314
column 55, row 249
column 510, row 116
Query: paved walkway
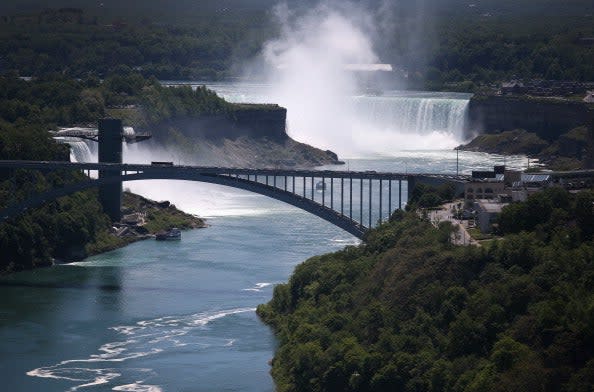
column 459, row 237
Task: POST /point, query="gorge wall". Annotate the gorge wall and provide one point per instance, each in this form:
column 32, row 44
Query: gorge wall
column 549, row 118
column 243, row 120
column 247, row 135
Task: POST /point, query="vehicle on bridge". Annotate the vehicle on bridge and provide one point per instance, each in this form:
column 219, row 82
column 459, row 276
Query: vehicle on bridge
column 161, row 163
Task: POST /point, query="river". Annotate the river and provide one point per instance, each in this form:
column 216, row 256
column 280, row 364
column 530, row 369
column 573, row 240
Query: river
column 179, row 316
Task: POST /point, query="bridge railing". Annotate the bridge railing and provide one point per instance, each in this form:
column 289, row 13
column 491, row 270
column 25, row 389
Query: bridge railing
column 356, row 200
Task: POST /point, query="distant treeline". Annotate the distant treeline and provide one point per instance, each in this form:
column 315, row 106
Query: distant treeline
column 409, row 311
column 201, row 52
column 454, row 43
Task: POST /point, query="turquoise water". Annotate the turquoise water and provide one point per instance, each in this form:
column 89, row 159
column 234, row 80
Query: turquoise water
column 157, row 316
column 180, row 316
column 172, row 316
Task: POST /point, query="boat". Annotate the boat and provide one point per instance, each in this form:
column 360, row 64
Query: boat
column 169, row 235
column 320, row 185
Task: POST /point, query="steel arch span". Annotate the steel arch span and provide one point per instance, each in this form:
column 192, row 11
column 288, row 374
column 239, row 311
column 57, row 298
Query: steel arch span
column 344, row 222
column 352, row 200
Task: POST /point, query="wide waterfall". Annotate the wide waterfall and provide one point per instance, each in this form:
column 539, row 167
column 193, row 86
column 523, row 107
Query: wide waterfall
column 364, row 125
column 419, row 115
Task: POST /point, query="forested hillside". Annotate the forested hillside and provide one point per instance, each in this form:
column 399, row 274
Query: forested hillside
column 432, row 44
column 72, row 226
column 408, row 311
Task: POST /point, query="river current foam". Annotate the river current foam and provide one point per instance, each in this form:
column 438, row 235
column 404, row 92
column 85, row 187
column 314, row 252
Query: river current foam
column 142, row 339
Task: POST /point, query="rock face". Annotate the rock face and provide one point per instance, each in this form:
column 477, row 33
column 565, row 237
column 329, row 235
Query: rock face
column 560, row 131
column 249, row 135
column 260, row 121
column 513, row 142
column 549, row 118
column 245, row 120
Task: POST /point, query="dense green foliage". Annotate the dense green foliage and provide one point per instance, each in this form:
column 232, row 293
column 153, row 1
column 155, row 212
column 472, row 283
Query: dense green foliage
column 56, row 100
column 68, row 227
column 202, row 51
column 485, row 51
column 408, row 311
column 427, row 196
column 62, row 228
column 550, row 214
column 73, row 226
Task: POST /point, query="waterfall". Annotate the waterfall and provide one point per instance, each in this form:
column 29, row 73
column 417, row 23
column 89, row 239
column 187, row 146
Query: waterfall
column 79, row 149
column 364, row 125
column 128, row 131
column 130, row 151
column 417, row 115
column 367, row 126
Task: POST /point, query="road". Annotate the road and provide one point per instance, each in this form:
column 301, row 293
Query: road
column 459, row 237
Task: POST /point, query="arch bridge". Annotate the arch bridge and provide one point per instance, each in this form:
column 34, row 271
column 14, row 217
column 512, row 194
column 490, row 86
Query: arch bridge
column 352, row 200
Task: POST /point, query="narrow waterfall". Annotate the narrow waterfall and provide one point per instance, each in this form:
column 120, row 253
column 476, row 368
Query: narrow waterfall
column 79, row 149
column 131, row 152
column 87, row 151
column 128, row 131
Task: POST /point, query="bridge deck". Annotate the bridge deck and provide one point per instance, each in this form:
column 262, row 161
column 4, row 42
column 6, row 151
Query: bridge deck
column 351, row 200
column 123, row 167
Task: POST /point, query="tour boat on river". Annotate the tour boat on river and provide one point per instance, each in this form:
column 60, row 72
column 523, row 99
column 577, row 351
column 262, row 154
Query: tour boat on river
column 169, row 235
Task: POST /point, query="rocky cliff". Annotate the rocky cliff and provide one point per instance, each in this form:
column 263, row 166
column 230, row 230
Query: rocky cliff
column 248, row 135
column 547, row 117
column 243, row 120
column 558, row 131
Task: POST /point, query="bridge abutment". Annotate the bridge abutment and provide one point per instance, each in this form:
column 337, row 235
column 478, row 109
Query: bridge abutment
column 110, row 151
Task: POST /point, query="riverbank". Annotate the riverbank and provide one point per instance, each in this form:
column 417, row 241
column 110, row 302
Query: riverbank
column 558, row 131
column 570, row 151
column 142, row 219
column 410, row 310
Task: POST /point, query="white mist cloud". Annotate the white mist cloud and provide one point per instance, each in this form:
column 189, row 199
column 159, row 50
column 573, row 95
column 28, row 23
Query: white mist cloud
column 307, row 69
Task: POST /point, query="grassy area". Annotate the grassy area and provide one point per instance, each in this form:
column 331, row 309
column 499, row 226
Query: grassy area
column 478, row 235
column 160, row 215
column 164, row 219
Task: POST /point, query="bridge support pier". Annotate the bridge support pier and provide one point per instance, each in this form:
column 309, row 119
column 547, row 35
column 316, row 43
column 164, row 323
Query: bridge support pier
column 110, row 151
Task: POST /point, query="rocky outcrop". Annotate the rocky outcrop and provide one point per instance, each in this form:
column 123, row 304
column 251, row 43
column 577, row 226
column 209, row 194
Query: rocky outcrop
column 515, row 142
column 249, row 135
column 243, row 120
column 548, row 118
column 572, row 150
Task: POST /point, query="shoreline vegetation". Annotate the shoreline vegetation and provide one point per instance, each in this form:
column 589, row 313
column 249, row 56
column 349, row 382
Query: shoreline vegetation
column 75, row 226
column 408, row 310
column 556, row 130
column 143, row 219
column 570, row 151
